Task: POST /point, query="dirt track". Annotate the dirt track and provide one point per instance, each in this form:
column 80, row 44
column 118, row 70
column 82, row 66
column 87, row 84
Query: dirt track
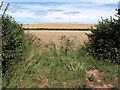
column 79, row 37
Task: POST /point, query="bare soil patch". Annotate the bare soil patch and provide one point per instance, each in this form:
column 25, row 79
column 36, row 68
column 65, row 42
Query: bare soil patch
column 95, row 79
column 43, row 83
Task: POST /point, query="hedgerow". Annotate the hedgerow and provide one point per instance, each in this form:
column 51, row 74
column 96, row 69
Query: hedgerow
column 104, row 41
column 12, row 41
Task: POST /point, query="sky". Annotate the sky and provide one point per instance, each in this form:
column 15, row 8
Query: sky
column 60, row 11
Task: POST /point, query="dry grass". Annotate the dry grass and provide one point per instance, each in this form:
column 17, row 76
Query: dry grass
column 59, row 26
column 79, row 37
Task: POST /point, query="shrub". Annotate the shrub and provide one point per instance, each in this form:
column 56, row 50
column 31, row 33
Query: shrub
column 12, row 41
column 104, row 41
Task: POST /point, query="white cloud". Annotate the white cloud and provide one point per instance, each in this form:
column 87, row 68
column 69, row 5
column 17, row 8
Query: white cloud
column 55, row 12
column 23, row 14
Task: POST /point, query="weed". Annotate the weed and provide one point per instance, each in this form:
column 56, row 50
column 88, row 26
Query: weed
column 52, row 62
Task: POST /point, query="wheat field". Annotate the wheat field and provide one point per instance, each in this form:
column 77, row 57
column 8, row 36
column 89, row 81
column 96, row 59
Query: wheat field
column 78, row 37
column 60, row 26
column 48, row 36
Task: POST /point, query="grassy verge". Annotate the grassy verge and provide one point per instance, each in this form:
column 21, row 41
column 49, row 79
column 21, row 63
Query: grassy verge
column 55, row 67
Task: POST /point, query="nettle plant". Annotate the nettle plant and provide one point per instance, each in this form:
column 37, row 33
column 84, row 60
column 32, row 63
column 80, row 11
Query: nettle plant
column 104, row 41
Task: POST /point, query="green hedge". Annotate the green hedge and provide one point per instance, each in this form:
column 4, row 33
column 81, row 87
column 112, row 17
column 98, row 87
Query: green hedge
column 104, row 41
column 12, row 41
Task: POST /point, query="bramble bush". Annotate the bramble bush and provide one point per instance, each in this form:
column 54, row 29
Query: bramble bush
column 12, row 41
column 104, row 41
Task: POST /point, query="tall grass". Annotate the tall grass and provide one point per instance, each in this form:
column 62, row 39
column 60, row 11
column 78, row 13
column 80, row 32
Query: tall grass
column 48, row 65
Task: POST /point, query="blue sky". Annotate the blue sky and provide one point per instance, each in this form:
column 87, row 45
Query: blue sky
column 58, row 11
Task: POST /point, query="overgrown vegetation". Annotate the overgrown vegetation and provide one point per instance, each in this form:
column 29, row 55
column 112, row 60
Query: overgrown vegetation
column 50, row 66
column 12, row 41
column 32, row 64
column 104, row 41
